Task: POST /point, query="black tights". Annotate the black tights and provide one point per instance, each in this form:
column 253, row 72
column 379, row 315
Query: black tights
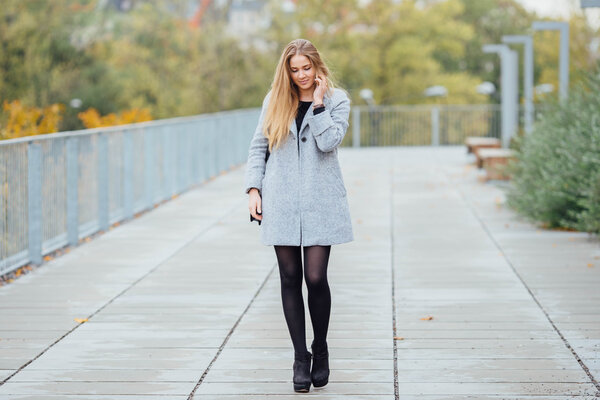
column 319, row 296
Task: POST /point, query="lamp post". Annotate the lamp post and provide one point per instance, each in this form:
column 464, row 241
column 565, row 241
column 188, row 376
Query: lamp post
column 509, row 73
column 367, row 96
column 435, row 91
column 563, row 68
column 527, row 41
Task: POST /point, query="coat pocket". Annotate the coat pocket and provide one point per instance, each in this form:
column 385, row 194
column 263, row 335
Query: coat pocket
column 337, row 182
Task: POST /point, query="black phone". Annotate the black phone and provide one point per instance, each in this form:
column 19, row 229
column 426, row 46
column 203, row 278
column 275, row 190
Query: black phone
column 254, row 219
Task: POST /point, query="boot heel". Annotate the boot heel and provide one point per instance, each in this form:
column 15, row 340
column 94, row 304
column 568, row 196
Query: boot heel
column 321, row 383
column 320, row 368
column 302, row 379
column 302, row 387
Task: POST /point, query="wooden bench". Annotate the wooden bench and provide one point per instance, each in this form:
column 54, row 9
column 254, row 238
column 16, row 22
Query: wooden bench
column 476, row 142
column 494, row 161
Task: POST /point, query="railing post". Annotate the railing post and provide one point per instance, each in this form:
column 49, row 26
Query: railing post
column 34, row 197
column 166, row 167
column 148, row 165
column 103, row 182
column 435, row 126
column 356, row 126
column 73, row 190
column 127, row 175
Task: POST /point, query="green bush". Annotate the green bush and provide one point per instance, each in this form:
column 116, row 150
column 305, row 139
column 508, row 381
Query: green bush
column 556, row 175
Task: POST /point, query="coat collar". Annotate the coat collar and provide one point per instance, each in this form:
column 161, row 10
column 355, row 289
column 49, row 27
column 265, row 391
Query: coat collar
column 307, row 116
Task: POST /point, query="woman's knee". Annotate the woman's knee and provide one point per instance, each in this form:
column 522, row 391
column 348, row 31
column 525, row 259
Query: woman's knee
column 315, row 280
column 290, row 277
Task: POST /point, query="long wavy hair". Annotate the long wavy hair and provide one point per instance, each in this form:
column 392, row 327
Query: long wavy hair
column 285, row 95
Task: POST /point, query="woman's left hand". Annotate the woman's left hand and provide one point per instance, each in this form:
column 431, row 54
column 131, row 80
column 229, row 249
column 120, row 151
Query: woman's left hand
column 320, row 89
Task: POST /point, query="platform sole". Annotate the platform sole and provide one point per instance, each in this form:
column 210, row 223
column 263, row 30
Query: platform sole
column 301, row 387
column 321, row 383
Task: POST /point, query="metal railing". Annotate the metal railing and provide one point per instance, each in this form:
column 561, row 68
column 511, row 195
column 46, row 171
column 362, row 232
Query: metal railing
column 421, row 125
column 59, row 188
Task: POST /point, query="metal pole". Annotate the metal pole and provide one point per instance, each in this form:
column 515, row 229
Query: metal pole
column 103, row 188
column 356, row 126
column 435, row 126
column 527, row 41
column 509, row 71
column 563, row 69
column 34, row 196
column 73, row 190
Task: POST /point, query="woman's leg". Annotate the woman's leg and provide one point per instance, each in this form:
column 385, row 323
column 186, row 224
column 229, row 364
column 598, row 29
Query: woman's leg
column 316, row 259
column 290, row 274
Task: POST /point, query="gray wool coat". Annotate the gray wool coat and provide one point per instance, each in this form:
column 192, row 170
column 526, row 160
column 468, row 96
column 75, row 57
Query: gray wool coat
column 304, row 200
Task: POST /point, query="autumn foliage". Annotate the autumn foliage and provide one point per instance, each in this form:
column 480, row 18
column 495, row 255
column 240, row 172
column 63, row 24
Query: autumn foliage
column 91, row 118
column 25, row 120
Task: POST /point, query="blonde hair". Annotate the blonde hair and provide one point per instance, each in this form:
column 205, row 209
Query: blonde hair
column 285, row 95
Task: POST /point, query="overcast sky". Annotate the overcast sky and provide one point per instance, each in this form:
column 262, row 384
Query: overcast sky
column 560, row 8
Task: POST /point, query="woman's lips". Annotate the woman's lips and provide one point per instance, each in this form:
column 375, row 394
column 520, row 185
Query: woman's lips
column 303, row 82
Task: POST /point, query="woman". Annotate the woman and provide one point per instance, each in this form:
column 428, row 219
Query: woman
column 299, row 196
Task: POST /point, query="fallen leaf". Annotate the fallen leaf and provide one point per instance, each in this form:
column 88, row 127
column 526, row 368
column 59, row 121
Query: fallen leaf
column 427, row 318
column 590, row 265
column 81, row 320
column 47, row 258
column 398, row 338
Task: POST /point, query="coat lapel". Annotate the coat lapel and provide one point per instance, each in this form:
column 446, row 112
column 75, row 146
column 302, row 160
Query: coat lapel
column 309, row 113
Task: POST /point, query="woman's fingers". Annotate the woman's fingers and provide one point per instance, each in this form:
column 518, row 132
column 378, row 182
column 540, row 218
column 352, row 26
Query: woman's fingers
column 255, row 207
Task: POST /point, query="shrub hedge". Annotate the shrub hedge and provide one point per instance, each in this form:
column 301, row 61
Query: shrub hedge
column 556, row 175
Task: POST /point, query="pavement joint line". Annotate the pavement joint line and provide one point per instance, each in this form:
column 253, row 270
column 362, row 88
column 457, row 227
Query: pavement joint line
column 508, row 260
column 191, row 395
column 177, row 250
column 394, row 330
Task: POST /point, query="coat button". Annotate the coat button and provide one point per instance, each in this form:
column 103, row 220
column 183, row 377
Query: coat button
column 303, row 139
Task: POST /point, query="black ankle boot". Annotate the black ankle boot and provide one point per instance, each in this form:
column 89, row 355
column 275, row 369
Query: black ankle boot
column 320, row 368
column 302, row 378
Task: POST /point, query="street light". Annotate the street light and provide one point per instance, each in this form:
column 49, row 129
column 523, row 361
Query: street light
column 527, row 41
column 367, row 96
column 509, row 72
column 544, row 88
column 486, row 88
column 76, row 103
column 436, row 91
column 563, row 68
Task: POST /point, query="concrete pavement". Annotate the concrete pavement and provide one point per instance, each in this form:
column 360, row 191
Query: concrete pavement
column 184, row 301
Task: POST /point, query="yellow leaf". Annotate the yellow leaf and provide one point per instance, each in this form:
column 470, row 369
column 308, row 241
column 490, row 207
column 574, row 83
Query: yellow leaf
column 398, row 338
column 81, row 320
column 429, row 318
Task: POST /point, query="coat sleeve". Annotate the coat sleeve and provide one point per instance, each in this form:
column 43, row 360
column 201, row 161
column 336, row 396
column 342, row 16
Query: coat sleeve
column 329, row 127
column 255, row 166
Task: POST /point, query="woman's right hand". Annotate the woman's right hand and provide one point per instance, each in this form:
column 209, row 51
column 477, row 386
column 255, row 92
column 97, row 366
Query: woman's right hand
column 254, row 203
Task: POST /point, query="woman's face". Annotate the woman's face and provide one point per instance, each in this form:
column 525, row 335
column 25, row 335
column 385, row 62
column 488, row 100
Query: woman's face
column 303, row 72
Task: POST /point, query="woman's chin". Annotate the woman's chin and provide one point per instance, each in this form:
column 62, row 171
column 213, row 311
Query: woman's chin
column 305, row 85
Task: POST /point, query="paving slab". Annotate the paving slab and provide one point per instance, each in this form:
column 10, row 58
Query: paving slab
column 188, row 302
